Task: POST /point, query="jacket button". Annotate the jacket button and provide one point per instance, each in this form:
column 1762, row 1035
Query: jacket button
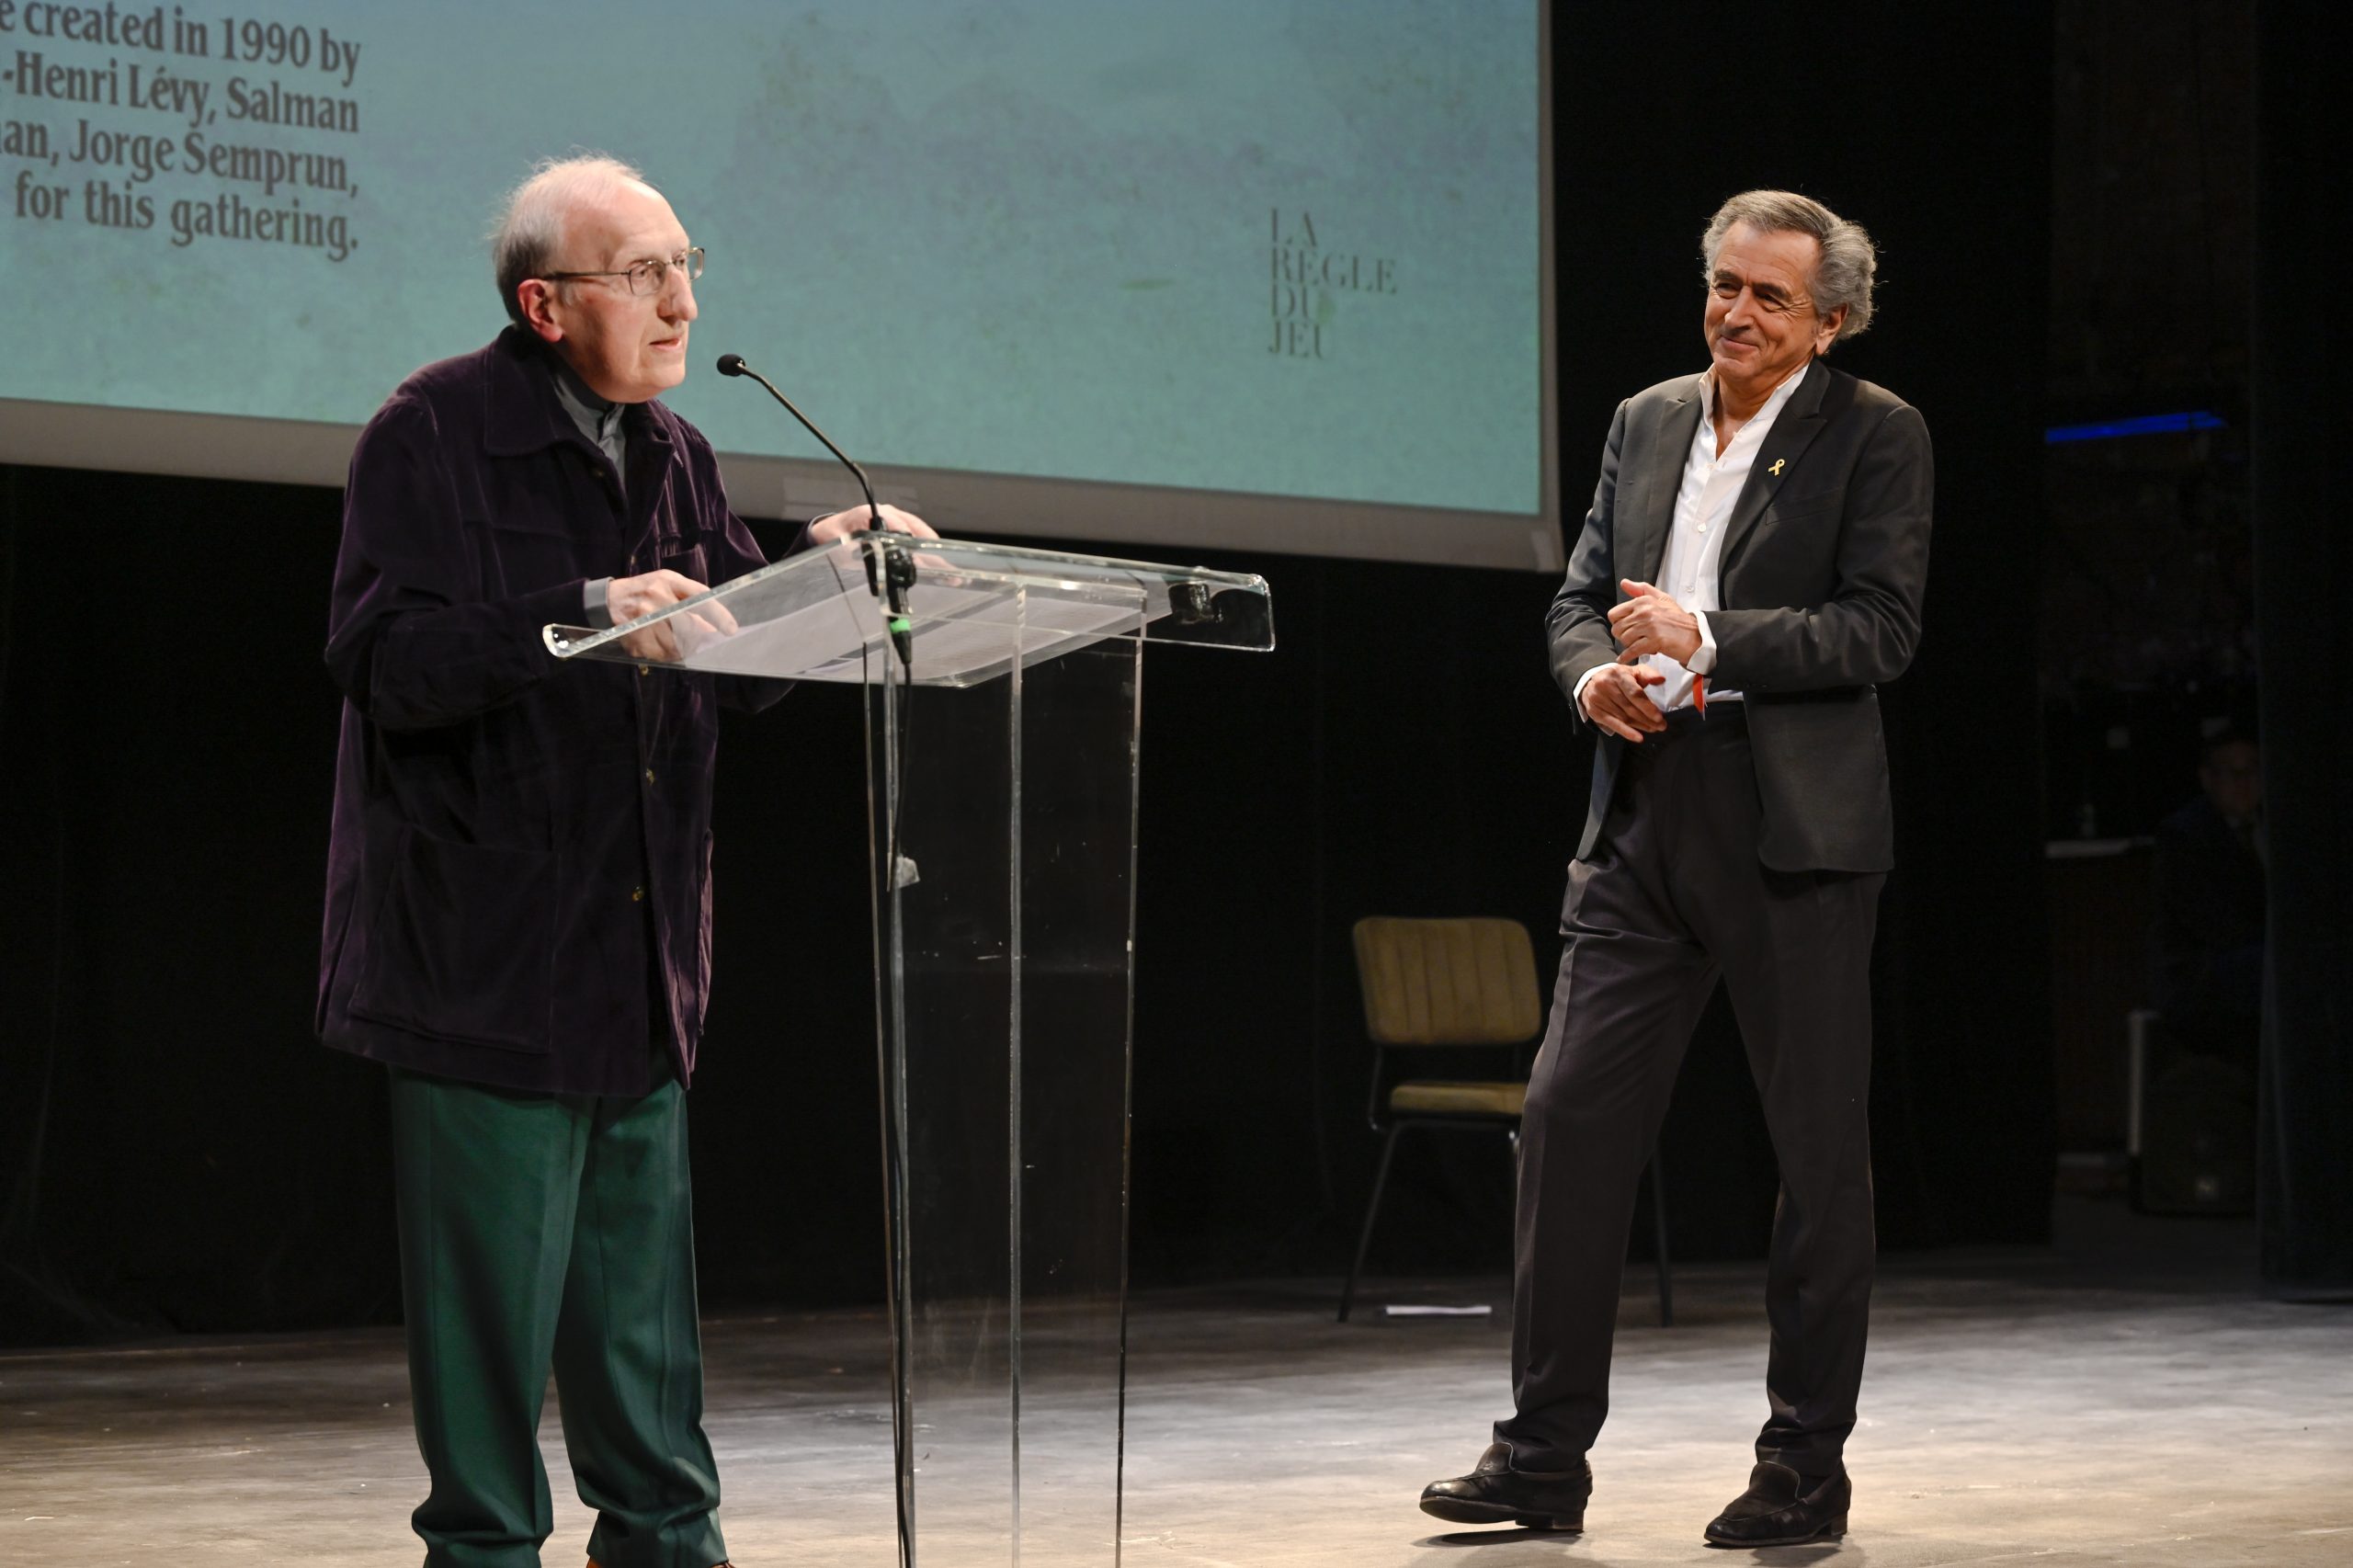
column 636, row 895
column 649, row 776
column 645, row 669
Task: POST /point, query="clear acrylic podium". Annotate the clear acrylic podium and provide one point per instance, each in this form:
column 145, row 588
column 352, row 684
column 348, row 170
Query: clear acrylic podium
column 1001, row 772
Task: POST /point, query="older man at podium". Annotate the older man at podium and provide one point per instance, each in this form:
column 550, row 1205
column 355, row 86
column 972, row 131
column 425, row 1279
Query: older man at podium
column 518, row 909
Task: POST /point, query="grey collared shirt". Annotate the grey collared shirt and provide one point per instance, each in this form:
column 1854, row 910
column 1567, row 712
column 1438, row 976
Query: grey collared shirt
column 600, row 421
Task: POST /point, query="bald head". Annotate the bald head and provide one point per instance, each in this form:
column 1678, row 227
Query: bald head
column 539, row 212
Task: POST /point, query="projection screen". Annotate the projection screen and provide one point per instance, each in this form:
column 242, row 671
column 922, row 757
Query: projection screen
column 1196, row 274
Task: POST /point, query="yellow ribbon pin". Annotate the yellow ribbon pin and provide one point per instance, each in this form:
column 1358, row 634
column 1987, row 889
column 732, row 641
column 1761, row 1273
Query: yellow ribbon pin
column 1776, row 470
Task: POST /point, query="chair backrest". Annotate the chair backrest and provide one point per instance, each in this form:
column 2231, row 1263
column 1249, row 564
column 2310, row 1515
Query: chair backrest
column 1448, row 982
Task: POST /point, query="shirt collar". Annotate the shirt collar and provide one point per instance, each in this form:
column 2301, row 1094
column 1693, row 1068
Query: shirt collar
column 523, row 411
column 1780, row 395
column 599, row 418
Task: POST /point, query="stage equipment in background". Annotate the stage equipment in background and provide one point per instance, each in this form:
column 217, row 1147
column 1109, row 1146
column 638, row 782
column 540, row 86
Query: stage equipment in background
column 2189, row 1128
column 2138, row 425
column 1001, row 773
column 1434, row 986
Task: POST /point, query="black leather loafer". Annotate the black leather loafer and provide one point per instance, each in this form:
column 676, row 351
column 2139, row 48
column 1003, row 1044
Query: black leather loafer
column 1495, row 1493
column 1783, row 1508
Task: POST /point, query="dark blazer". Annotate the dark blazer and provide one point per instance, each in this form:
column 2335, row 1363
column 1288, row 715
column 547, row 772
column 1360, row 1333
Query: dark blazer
column 1823, row 570
column 518, row 874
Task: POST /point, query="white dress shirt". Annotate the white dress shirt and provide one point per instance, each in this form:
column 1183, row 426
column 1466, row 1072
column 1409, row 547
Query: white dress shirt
column 1692, row 571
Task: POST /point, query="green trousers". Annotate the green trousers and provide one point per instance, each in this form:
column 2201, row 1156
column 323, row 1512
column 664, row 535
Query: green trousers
column 546, row 1232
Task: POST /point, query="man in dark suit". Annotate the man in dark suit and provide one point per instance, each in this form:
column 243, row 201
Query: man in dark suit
column 1751, row 570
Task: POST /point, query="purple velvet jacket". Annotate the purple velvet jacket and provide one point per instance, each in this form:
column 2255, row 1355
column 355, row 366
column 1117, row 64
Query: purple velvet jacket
column 518, row 883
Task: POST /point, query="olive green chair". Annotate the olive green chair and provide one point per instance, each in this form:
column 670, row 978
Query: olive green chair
column 1468, row 984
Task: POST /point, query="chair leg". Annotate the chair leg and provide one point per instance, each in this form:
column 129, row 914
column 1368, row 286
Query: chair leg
column 1658, row 1225
column 1371, row 1212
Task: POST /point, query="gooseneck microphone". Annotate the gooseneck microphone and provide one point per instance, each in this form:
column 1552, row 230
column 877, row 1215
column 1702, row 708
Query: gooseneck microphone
column 899, row 569
column 733, row 364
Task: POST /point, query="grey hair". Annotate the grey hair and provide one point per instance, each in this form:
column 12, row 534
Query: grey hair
column 1849, row 265
column 531, row 227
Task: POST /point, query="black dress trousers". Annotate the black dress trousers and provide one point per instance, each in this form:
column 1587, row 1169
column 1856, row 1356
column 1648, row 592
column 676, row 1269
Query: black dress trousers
column 1674, row 896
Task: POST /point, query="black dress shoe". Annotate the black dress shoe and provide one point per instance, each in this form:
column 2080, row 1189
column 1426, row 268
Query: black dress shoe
column 1495, row 1493
column 1783, row 1508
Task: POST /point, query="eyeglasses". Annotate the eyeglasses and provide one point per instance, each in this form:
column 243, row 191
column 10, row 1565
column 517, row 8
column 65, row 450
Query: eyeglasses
column 648, row 277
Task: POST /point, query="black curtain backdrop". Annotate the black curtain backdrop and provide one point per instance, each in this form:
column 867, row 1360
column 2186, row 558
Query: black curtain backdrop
column 179, row 1153
column 2302, row 470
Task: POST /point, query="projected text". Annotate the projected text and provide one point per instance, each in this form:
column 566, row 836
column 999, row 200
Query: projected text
column 197, row 129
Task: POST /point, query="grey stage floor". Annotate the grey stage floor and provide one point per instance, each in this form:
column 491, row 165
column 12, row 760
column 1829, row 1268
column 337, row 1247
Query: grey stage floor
column 2122, row 1399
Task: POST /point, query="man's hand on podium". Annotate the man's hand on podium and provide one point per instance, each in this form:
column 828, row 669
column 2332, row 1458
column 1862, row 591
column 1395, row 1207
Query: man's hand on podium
column 898, row 520
column 670, row 641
